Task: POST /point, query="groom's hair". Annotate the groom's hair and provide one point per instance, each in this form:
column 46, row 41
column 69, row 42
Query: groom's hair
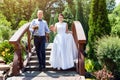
column 40, row 11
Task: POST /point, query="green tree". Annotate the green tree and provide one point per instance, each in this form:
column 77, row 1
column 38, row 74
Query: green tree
column 80, row 16
column 98, row 24
column 5, row 30
column 48, row 5
column 52, row 21
column 68, row 16
column 114, row 18
column 34, row 14
column 71, row 4
column 17, row 10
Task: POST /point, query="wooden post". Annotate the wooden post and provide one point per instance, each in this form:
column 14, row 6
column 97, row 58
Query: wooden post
column 17, row 61
column 81, row 65
column 15, row 40
column 80, row 40
column 29, row 41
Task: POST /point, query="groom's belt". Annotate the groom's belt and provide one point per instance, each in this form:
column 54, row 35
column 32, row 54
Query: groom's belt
column 38, row 36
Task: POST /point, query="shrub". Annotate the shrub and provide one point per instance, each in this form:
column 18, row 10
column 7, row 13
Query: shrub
column 89, row 65
column 5, row 26
column 108, row 53
column 5, row 32
column 6, row 51
column 116, row 30
column 22, row 22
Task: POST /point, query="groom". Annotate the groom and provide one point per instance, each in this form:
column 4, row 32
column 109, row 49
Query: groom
column 38, row 28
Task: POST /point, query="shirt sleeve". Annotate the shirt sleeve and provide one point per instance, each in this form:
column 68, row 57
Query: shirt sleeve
column 31, row 24
column 46, row 28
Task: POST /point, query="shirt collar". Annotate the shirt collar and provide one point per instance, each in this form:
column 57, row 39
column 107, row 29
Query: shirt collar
column 39, row 19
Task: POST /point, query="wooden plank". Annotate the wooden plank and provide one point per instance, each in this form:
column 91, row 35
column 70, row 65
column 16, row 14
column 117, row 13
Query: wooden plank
column 18, row 34
column 80, row 32
column 4, row 67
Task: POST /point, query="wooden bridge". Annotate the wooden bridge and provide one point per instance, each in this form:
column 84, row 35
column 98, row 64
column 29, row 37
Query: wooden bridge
column 30, row 63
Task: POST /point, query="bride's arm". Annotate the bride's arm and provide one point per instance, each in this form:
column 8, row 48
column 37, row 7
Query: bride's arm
column 67, row 28
column 53, row 28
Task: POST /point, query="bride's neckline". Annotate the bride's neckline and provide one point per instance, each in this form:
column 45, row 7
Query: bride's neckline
column 60, row 22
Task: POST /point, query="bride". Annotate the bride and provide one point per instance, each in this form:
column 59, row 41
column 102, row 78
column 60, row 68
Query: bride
column 64, row 49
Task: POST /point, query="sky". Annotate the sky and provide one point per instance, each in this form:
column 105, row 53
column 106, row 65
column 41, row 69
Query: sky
column 117, row 2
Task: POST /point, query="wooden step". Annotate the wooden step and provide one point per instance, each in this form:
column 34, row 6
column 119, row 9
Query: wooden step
column 36, row 58
column 48, row 48
column 48, row 68
column 46, row 52
column 35, row 62
column 47, row 57
column 4, row 67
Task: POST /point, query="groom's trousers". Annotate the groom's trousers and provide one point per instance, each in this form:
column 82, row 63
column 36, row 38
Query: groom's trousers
column 39, row 42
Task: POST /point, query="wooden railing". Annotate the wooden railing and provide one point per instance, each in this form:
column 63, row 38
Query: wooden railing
column 80, row 40
column 16, row 41
column 19, row 63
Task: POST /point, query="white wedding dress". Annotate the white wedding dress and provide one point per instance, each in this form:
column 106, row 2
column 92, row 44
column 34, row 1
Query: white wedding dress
column 64, row 49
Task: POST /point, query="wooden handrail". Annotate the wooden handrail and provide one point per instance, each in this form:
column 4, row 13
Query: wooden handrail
column 80, row 40
column 78, row 34
column 15, row 40
column 18, row 62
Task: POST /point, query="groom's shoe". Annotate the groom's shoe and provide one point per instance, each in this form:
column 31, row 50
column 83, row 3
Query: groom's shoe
column 40, row 68
column 43, row 68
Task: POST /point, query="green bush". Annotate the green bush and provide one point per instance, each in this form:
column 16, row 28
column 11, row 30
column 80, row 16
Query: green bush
column 116, row 30
column 108, row 53
column 114, row 19
column 22, row 22
column 6, row 51
column 3, row 20
column 5, row 32
column 89, row 65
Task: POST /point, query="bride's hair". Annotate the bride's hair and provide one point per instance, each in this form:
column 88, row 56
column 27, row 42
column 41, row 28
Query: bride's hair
column 60, row 14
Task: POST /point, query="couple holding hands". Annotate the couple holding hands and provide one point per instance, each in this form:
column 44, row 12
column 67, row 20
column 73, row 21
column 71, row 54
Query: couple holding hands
column 64, row 50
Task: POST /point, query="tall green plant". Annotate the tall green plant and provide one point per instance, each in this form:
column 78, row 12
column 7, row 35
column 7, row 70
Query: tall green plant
column 98, row 24
column 5, row 31
column 79, row 16
column 114, row 18
column 16, row 10
column 34, row 14
column 68, row 16
column 52, row 22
